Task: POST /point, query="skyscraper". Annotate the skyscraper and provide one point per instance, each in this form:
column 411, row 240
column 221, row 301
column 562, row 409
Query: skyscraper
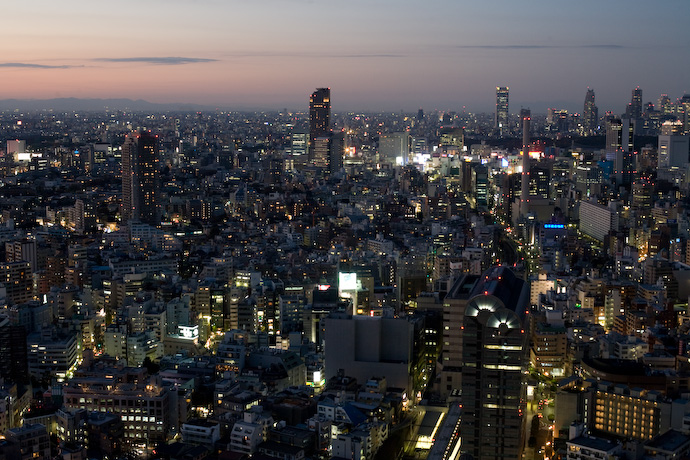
column 140, row 179
column 525, row 119
column 619, row 134
column 300, row 144
column 502, row 109
column 319, row 116
column 494, row 353
column 634, row 109
column 664, row 105
column 590, row 115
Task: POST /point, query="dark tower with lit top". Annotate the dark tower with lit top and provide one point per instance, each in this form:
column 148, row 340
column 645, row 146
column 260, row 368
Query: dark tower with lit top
column 502, row 109
column 525, row 119
column 319, row 116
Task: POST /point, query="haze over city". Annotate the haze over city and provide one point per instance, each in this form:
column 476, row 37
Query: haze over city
column 388, row 230
column 383, row 55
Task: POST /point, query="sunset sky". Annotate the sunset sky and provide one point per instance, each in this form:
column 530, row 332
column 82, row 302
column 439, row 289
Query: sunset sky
column 374, row 54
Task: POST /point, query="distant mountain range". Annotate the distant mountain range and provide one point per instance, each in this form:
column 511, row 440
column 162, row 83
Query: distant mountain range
column 73, row 103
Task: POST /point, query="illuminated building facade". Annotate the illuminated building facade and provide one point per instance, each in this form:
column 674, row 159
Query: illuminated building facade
column 451, row 351
column 494, row 352
column 319, row 117
column 17, row 280
column 502, row 109
column 549, row 350
column 590, row 115
column 140, row 179
column 597, row 220
column 634, row 109
column 300, row 144
column 145, row 407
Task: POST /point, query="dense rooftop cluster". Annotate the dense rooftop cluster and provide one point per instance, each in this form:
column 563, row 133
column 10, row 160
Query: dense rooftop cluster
column 281, row 296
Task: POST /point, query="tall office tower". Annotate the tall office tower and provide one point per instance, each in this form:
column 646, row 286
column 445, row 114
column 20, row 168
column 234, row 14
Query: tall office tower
column 619, row 148
column 525, row 118
column 453, row 331
column 319, row 117
column 494, row 352
column 140, row 179
column 673, row 147
column 664, row 105
column 590, row 114
column 634, row 110
column 394, row 148
column 336, row 152
column 502, row 109
column 321, row 152
column 300, row 144
column 684, row 112
column 614, row 130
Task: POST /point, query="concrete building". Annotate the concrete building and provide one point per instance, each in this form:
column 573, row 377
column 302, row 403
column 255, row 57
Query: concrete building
column 453, row 319
column 32, row 442
column 22, row 250
column 199, row 431
column 668, row 446
column 146, row 407
column 597, row 220
column 248, row 433
column 494, row 352
column 17, row 280
column 51, row 355
column 394, row 148
column 549, row 350
column 591, row 448
column 363, row 347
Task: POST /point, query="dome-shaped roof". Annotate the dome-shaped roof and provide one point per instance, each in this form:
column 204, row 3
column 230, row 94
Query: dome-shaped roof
column 483, row 303
column 504, row 318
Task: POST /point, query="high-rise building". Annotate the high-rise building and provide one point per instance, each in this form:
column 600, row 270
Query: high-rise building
column 683, row 112
column 525, row 118
column 484, row 318
column 634, row 109
column 664, row 105
column 321, row 152
column 502, row 109
column 394, row 148
column 337, row 151
column 140, row 179
column 453, row 318
column 319, row 116
column 590, row 118
column 300, row 144
column 673, row 146
column 620, row 134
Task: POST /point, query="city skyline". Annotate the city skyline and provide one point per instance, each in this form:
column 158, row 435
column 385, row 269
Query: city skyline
column 382, row 56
